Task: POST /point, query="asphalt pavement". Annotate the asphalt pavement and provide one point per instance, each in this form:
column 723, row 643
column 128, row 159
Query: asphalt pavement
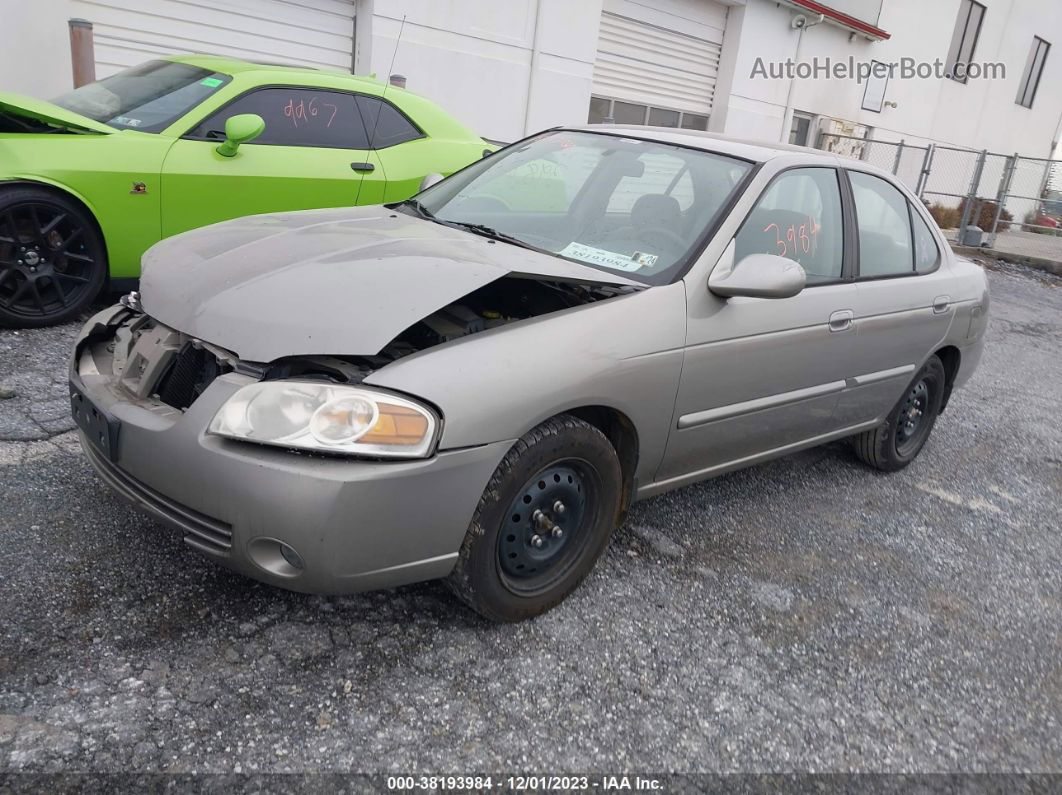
column 805, row 615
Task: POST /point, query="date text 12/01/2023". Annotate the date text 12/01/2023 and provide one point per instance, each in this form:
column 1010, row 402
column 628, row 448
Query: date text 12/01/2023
column 523, row 783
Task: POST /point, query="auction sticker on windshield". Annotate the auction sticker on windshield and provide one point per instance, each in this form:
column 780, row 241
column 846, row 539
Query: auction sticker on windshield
column 608, row 259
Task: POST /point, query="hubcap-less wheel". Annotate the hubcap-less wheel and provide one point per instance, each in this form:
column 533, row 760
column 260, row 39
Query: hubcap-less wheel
column 547, row 526
column 46, row 261
column 544, row 517
column 912, row 418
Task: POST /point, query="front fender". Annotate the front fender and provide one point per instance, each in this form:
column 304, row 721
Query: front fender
column 624, row 353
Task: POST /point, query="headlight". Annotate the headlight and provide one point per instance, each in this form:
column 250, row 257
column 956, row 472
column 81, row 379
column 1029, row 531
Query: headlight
column 332, row 417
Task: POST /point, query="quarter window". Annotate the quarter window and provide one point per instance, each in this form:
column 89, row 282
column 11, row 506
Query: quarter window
column 798, row 217
column 295, row 117
column 925, row 245
column 387, row 125
column 884, row 222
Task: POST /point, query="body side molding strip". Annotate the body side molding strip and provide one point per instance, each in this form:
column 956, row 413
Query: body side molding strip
column 758, row 404
column 881, row 375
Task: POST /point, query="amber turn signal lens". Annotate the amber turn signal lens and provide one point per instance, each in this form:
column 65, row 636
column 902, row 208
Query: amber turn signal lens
column 397, row 425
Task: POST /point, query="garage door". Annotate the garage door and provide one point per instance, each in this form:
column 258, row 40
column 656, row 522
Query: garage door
column 663, row 55
column 316, row 33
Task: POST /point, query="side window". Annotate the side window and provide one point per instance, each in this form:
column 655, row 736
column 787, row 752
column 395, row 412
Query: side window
column 662, row 174
column 885, row 246
column 295, row 117
column 799, row 217
column 927, row 255
column 386, row 124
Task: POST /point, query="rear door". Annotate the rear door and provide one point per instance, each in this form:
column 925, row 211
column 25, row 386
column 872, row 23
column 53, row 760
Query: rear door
column 902, row 307
column 313, row 153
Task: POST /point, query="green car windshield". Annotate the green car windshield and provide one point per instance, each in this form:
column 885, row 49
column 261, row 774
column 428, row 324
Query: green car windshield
column 619, row 204
column 148, row 97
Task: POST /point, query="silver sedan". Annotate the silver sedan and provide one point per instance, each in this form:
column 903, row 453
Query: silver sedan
column 475, row 384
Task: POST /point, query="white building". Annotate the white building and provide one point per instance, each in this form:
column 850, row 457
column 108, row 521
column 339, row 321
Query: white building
column 511, row 67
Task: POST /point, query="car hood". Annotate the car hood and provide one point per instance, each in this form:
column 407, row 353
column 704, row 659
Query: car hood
column 335, row 282
column 39, row 110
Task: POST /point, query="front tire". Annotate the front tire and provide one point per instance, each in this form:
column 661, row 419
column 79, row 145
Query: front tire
column 52, row 258
column 897, row 442
column 542, row 522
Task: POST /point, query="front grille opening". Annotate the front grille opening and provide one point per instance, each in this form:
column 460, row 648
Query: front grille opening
column 192, row 370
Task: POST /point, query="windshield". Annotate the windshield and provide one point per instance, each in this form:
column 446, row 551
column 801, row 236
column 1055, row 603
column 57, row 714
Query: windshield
column 148, row 97
column 619, row 204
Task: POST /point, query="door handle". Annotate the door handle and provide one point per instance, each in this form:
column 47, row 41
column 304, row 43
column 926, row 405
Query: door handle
column 363, row 167
column 941, row 304
column 841, row 320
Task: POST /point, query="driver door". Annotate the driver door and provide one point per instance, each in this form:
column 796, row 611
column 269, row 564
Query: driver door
column 313, row 153
column 761, row 375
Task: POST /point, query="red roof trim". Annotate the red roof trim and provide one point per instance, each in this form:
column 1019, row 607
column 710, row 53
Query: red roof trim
column 844, row 19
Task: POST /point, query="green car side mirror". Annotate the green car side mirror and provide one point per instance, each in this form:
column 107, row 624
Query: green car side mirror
column 239, row 130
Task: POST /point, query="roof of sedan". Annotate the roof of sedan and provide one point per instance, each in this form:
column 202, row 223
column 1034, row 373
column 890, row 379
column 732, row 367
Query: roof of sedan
column 758, row 151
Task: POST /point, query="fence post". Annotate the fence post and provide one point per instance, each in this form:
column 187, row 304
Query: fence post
column 927, row 167
column 896, row 162
column 971, row 195
column 1001, row 196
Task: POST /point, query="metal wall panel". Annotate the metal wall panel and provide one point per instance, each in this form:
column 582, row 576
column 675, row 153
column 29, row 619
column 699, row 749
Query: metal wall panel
column 316, row 33
column 644, row 61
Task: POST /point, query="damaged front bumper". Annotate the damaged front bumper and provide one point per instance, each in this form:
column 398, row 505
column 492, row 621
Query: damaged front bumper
column 352, row 524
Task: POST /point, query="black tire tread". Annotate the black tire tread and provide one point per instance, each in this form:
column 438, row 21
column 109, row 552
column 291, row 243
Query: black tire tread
column 20, row 193
column 459, row 581
column 873, row 447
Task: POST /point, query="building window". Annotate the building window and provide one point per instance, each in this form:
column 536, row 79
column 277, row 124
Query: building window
column 800, row 131
column 964, row 40
column 1034, row 70
column 604, row 110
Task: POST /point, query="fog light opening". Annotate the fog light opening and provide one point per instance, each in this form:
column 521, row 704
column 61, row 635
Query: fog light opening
column 292, row 557
column 276, row 557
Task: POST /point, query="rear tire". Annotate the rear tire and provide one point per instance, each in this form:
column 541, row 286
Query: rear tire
column 52, row 258
column 542, row 522
column 897, row 442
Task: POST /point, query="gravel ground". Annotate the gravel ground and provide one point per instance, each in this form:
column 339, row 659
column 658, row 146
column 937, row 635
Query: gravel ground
column 804, row 615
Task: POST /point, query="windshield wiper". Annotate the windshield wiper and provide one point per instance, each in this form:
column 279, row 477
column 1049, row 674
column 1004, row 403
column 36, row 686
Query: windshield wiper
column 493, row 234
column 478, row 229
column 419, row 208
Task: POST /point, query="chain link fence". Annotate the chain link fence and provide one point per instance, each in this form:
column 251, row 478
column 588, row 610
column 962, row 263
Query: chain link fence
column 1007, row 197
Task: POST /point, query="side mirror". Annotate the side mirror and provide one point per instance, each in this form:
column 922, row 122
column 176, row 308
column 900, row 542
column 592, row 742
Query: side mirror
column 759, row 276
column 239, row 130
column 429, row 180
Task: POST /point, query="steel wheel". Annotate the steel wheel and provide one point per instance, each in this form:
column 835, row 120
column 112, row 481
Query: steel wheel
column 544, row 518
column 911, row 422
column 51, row 262
column 899, row 439
column 546, row 526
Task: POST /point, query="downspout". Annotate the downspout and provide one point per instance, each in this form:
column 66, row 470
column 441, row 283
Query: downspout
column 801, row 23
column 535, row 50
column 82, row 52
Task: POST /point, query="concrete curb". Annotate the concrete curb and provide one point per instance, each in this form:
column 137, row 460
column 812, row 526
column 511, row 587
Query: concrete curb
column 1048, row 265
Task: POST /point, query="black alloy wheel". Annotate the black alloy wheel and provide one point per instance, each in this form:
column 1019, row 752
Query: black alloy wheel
column 51, row 260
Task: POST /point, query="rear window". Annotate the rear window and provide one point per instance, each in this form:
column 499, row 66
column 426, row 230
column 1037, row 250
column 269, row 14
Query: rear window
column 148, row 97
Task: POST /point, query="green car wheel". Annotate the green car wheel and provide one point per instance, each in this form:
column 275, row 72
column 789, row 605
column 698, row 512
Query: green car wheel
column 52, row 261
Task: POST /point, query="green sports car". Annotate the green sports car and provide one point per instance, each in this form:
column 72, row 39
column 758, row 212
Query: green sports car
column 92, row 179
